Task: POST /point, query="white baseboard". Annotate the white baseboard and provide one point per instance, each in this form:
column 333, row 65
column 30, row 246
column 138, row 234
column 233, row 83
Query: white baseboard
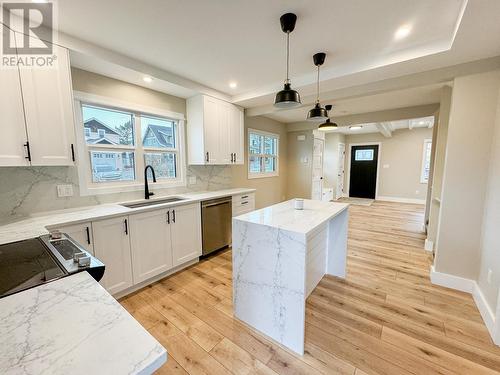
column 400, row 200
column 491, row 321
column 429, row 245
column 452, row 281
column 483, row 307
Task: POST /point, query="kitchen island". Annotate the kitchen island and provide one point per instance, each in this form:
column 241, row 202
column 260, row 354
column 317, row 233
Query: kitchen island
column 279, row 256
column 73, row 326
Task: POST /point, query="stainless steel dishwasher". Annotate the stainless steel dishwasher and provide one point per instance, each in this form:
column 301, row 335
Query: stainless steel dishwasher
column 216, row 216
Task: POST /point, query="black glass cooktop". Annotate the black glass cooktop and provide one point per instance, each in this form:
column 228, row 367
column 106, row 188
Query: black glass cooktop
column 25, row 264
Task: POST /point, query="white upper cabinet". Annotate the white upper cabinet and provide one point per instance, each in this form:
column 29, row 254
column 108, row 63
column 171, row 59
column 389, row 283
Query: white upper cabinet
column 36, row 114
column 237, row 135
column 13, row 151
column 215, row 131
column 48, row 106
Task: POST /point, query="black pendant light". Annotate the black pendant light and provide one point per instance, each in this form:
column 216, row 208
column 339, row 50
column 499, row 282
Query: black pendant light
column 328, row 125
column 318, row 113
column 287, row 98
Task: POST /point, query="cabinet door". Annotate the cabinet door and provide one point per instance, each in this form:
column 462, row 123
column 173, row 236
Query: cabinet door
column 112, row 247
column 224, row 118
column 81, row 233
column 150, row 243
column 48, row 105
column 12, row 149
column 237, row 134
column 186, row 233
column 211, row 130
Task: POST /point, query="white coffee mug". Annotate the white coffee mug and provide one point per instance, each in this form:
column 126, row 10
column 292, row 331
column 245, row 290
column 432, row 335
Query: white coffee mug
column 299, row 204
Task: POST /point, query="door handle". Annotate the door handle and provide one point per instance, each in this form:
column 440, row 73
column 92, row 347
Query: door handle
column 173, row 216
column 168, row 217
column 126, row 227
column 232, row 157
column 28, row 150
column 87, row 230
column 72, row 152
column 207, row 157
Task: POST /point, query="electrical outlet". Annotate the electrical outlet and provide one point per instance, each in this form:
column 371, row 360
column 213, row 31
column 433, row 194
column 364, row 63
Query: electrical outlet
column 192, row 180
column 490, row 274
column 385, row 166
column 64, row 190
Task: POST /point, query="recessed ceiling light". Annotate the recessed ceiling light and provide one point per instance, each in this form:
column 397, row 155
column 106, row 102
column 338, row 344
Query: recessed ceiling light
column 355, row 127
column 402, row 32
column 147, row 79
column 233, row 85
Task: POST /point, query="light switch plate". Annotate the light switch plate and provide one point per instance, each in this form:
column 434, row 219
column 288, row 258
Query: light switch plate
column 192, row 180
column 64, row 190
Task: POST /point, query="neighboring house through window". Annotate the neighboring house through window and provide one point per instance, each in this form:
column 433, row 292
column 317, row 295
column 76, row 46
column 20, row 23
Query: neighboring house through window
column 263, row 154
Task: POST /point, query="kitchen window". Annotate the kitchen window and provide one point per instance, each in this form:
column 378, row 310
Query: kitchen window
column 117, row 140
column 263, row 154
column 426, row 161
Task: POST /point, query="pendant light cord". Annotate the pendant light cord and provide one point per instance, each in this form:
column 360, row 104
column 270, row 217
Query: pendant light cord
column 317, row 87
column 287, row 57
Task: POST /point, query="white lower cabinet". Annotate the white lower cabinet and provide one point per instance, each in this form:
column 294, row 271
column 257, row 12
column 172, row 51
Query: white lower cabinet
column 112, row 247
column 151, row 244
column 186, row 233
column 81, row 233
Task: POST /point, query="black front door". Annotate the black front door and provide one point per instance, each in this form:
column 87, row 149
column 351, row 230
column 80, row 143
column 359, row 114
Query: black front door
column 363, row 181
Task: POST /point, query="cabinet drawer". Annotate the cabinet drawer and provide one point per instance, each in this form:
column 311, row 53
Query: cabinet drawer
column 237, row 199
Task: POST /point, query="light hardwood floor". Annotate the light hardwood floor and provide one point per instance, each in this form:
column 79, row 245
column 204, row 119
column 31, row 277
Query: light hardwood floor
column 385, row 318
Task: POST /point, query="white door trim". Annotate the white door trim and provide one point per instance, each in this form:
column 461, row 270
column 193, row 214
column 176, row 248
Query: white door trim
column 338, row 193
column 347, row 183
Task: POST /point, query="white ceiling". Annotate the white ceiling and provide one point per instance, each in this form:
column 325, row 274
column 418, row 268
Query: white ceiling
column 214, row 42
column 371, row 103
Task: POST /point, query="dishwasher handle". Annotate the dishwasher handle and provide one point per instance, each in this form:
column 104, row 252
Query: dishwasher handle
column 215, row 202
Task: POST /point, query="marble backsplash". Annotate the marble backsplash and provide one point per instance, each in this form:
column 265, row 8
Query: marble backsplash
column 28, row 190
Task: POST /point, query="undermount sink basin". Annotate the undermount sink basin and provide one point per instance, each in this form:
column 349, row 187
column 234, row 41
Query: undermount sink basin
column 152, row 202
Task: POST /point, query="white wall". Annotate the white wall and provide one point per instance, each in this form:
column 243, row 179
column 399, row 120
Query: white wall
column 490, row 236
column 402, row 154
column 470, row 132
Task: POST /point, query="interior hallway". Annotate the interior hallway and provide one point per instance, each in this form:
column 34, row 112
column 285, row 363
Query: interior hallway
column 385, row 318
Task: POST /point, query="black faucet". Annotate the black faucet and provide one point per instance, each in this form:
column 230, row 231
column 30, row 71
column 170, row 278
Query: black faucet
column 147, row 194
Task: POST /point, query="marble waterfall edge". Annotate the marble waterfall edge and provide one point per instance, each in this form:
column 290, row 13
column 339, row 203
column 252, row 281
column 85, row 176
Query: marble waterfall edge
column 268, row 270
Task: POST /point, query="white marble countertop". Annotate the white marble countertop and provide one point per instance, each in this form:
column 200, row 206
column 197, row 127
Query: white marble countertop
column 37, row 225
column 73, row 326
column 284, row 216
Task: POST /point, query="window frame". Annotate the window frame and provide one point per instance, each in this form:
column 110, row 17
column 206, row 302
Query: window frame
column 275, row 173
column 423, row 180
column 83, row 163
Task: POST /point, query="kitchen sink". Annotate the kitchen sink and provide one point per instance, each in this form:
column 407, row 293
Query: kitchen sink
column 152, row 202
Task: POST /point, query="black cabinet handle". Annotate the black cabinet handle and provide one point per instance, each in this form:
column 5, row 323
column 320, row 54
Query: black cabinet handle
column 168, row 217
column 72, row 152
column 245, row 196
column 235, row 157
column 126, row 227
column 242, row 203
column 27, row 145
column 173, row 216
column 207, row 158
column 88, row 234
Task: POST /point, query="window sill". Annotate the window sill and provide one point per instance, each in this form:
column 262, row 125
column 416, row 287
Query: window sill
column 262, row 175
column 112, row 189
